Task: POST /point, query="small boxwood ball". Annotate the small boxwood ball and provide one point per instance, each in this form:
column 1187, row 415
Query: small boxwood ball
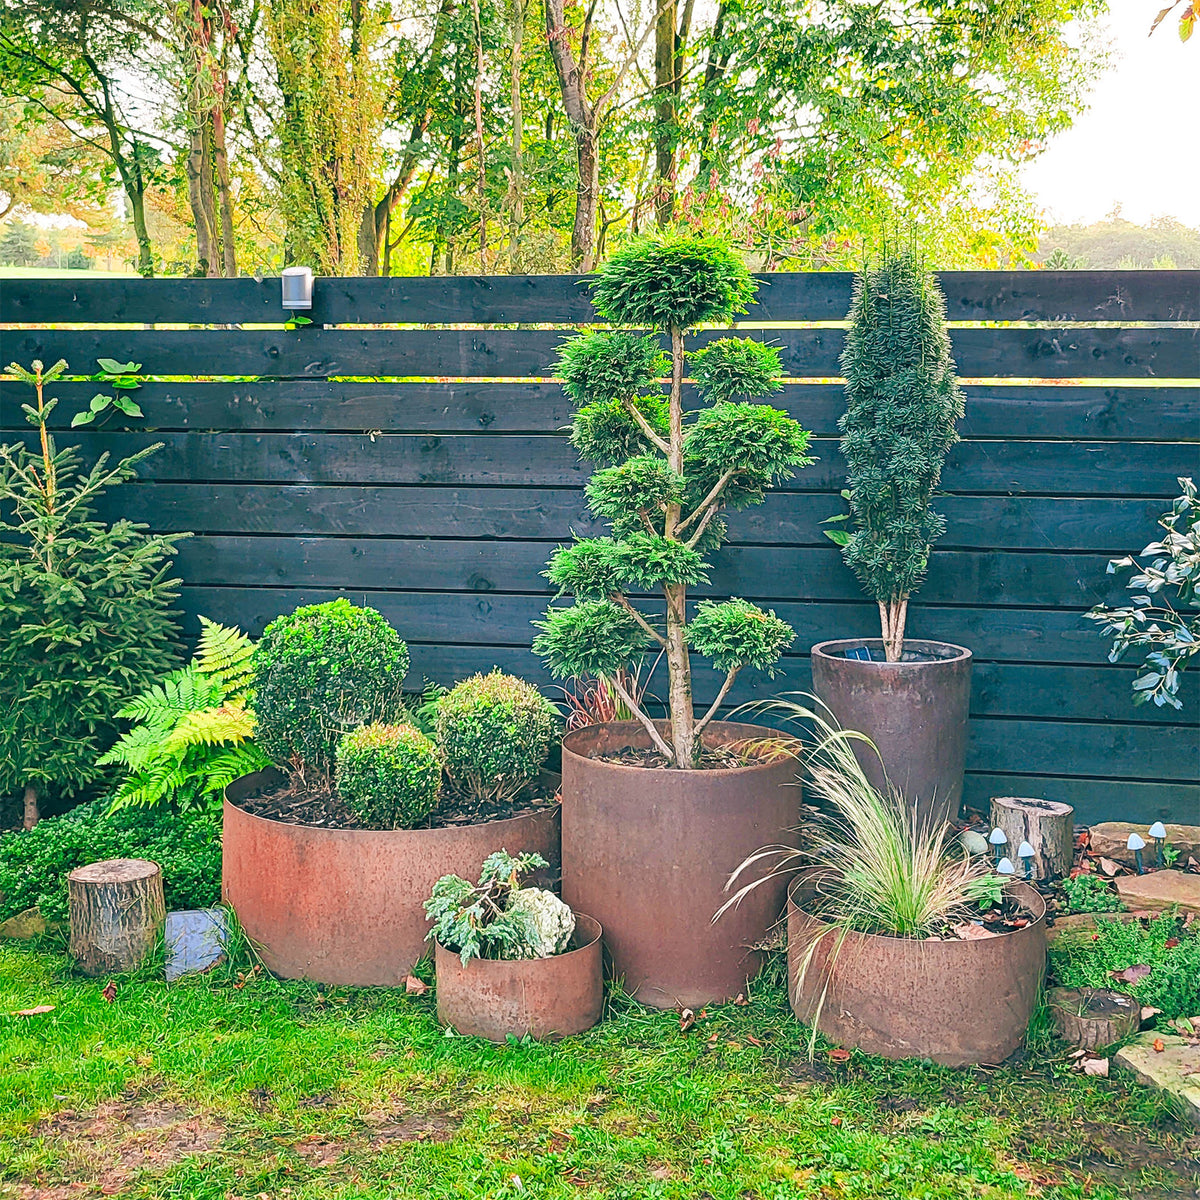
column 320, row 672
column 389, row 776
column 494, row 732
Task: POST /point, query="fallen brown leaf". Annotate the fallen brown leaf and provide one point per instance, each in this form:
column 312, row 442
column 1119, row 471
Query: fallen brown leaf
column 1171, row 943
column 414, row 986
column 1159, row 1045
column 968, row 931
column 36, row 1011
column 1132, row 974
column 110, row 991
column 687, row 1019
column 839, row 1055
column 741, row 1001
column 1148, row 1012
column 753, row 1040
column 1095, row 1066
column 1109, row 867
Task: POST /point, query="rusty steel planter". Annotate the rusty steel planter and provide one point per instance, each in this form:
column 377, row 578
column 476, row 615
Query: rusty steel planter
column 915, row 711
column 542, row 997
column 648, row 853
column 955, row 1002
column 343, row 906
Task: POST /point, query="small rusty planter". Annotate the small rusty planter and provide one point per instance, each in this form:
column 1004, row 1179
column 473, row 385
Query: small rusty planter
column 955, row 1002
column 648, row 853
column 344, row 906
column 543, row 997
column 915, row 711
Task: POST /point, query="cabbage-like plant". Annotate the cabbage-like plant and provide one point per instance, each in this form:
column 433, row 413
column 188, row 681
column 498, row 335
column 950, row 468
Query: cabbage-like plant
column 665, row 477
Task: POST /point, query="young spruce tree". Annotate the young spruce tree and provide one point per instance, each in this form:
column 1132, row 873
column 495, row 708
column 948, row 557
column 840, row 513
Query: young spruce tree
column 665, row 476
column 85, row 608
column 902, row 403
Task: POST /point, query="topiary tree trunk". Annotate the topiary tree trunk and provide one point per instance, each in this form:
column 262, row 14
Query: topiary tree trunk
column 902, row 404
column 668, row 474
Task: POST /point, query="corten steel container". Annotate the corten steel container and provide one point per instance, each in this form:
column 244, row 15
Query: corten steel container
column 344, row 906
column 955, row 1002
column 915, row 711
column 648, row 853
column 544, row 997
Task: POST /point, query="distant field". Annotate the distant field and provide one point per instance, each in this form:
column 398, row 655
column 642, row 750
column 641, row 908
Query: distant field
column 49, row 273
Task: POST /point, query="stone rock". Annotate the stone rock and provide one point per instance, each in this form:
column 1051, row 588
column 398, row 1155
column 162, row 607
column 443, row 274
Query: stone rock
column 195, row 940
column 1157, row 890
column 1174, row 1070
column 1082, row 925
column 1108, row 840
column 27, row 924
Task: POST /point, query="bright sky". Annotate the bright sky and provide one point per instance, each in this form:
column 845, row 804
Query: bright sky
column 1136, row 144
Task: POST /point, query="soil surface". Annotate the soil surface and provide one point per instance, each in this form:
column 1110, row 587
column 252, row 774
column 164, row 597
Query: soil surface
column 718, row 758
column 316, row 803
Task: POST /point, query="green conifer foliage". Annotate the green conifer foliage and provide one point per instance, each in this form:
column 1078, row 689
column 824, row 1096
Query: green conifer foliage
column 85, row 608
column 902, row 404
column 665, row 476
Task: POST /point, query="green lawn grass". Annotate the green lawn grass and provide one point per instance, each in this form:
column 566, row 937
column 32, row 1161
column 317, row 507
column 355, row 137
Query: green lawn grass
column 207, row 1090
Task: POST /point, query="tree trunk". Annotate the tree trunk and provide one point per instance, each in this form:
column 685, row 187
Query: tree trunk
column 893, row 615
column 587, row 192
column 206, row 255
column 481, row 182
column 137, row 200
column 117, row 913
column 682, row 714
column 225, row 192
column 664, row 113
column 516, row 183
column 1048, row 827
column 1093, row 1018
column 32, row 812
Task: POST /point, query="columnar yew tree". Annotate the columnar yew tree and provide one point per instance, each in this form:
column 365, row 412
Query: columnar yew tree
column 902, row 403
column 665, row 477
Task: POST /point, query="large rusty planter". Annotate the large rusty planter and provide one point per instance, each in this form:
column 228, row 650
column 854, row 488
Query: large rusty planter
column 955, row 1002
column 915, row 711
column 648, row 853
column 542, row 997
column 344, row 906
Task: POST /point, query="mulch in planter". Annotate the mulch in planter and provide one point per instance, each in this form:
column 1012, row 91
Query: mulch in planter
column 716, row 758
column 317, row 803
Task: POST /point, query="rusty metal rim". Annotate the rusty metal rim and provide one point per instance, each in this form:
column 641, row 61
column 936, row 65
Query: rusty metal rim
column 1038, row 909
column 353, row 834
column 595, row 931
column 706, row 772
column 828, row 650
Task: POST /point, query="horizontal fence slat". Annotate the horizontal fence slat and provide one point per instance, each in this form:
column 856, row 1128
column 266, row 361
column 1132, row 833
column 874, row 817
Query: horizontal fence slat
column 536, row 460
column 1098, row 799
column 1132, row 413
column 955, row 577
column 791, row 519
column 1052, row 353
column 812, row 296
column 1030, row 635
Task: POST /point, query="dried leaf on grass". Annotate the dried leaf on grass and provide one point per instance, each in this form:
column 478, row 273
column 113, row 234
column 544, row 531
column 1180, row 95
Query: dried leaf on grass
column 36, row 1011
column 1095, row 1066
column 1132, row 974
column 687, row 1020
column 839, row 1055
column 414, row 986
column 110, row 991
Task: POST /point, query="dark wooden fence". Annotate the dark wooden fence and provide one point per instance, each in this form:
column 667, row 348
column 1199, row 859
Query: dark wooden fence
column 424, row 470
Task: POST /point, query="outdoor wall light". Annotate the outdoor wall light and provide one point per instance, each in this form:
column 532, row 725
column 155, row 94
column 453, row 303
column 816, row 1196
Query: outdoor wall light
column 297, row 287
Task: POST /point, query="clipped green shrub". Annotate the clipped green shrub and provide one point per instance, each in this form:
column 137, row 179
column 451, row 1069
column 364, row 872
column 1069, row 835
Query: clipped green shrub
column 34, row 864
column 390, row 776
column 495, row 732
column 320, row 672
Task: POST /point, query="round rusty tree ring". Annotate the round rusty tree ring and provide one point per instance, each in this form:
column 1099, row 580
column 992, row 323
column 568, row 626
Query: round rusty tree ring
column 542, row 997
column 344, row 906
column 955, row 1002
column 648, row 852
column 915, row 711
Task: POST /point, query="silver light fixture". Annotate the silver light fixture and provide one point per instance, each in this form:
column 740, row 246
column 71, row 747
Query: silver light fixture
column 297, row 285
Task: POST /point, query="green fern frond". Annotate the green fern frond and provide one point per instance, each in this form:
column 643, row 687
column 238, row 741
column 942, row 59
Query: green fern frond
column 230, row 723
column 224, row 652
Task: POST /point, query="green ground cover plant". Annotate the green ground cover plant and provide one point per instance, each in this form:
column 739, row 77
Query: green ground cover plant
column 1090, row 893
column 229, row 1088
column 34, row 863
column 1157, row 961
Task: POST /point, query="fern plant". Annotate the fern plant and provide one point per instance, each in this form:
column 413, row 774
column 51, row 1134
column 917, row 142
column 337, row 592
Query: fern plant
column 193, row 732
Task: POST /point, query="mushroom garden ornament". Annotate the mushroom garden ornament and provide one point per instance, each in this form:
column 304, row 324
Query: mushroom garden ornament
column 1158, row 831
column 1137, row 844
column 998, row 838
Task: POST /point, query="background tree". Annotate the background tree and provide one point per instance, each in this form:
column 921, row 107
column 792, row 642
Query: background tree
column 666, row 479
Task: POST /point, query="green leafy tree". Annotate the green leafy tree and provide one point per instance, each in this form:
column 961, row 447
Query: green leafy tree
column 193, row 732
column 85, row 608
column 666, row 476
column 902, row 402
column 1165, row 632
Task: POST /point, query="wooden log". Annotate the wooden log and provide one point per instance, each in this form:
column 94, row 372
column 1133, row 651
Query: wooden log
column 1048, row 827
column 117, row 912
column 1093, row 1017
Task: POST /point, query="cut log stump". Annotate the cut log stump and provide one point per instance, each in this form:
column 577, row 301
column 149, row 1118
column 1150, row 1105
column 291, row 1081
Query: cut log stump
column 1092, row 1018
column 117, row 912
column 1048, row 826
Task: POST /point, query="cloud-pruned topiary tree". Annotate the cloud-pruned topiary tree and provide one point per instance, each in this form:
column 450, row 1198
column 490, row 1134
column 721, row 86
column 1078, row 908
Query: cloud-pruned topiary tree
column 664, row 477
column 902, row 404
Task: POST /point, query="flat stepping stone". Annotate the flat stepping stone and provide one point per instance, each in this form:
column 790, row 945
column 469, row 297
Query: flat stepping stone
column 1109, row 838
column 1158, row 890
column 1174, row 1070
column 195, row 940
column 25, row 925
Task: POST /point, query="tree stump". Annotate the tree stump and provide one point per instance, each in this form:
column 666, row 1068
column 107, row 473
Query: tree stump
column 117, row 913
column 1093, row 1017
column 1049, row 827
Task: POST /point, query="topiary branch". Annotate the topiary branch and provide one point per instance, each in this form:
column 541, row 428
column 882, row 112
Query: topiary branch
column 711, row 499
column 646, row 721
column 623, row 601
column 645, row 426
column 716, row 704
